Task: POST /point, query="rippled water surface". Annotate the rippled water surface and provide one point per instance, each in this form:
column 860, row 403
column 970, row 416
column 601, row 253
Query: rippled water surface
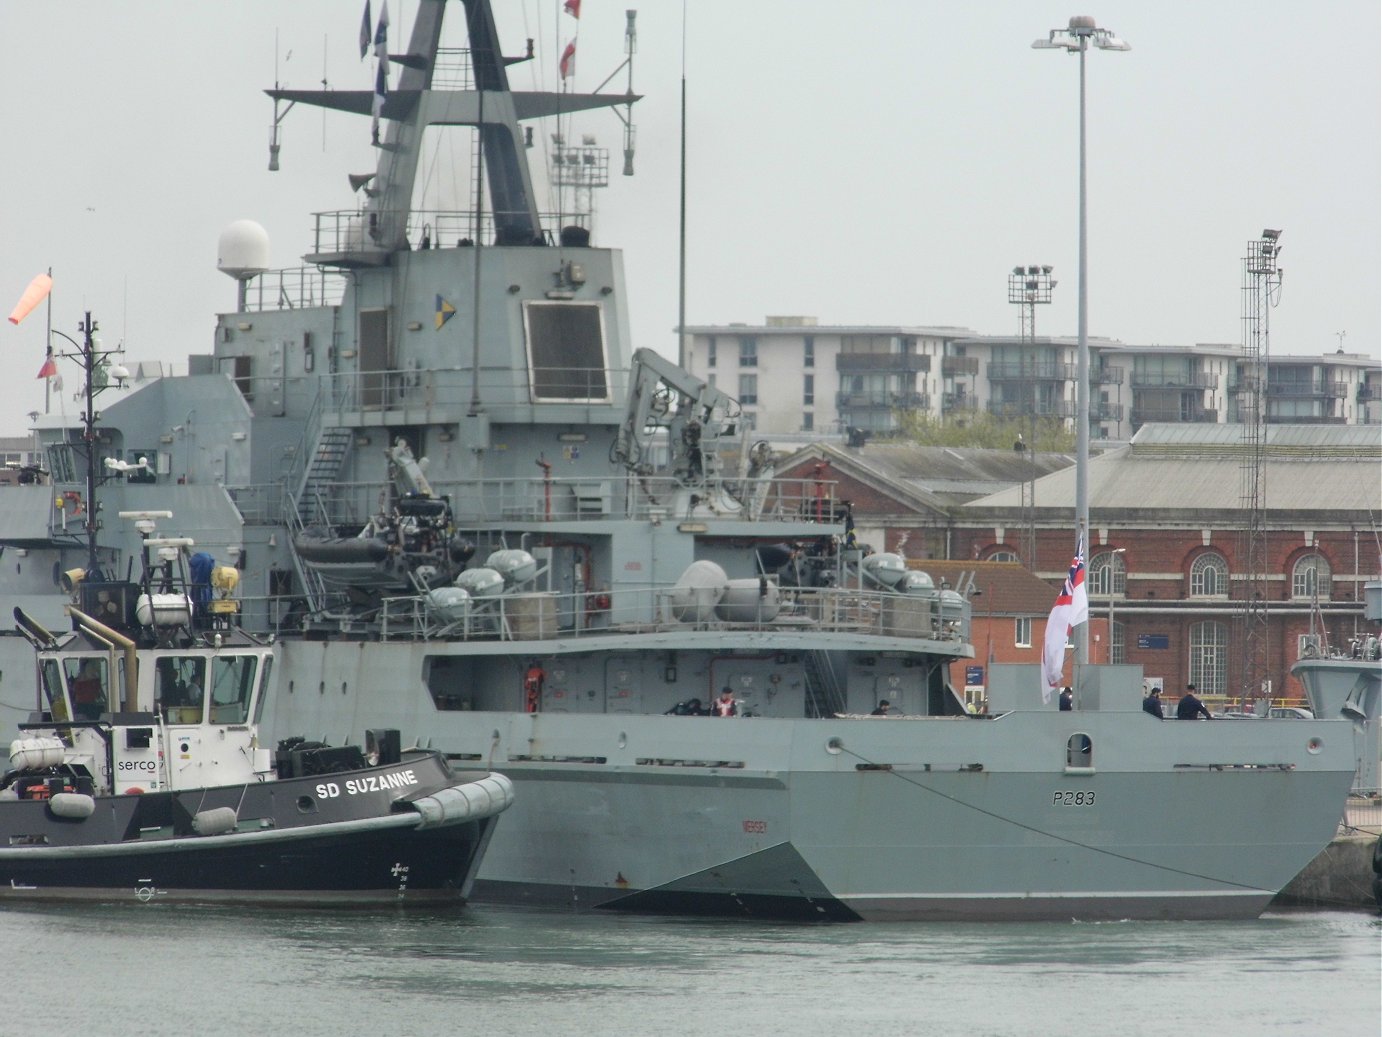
column 174, row 969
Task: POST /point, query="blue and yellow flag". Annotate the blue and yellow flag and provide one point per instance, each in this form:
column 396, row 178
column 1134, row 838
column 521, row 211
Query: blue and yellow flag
column 445, row 311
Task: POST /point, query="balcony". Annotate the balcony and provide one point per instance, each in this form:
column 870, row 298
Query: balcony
column 882, row 400
column 1106, row 376
column 897, row 362
column 1307, row 390
column 953, row 365
column 1142, row 415
column 953, row 401
column 1044, row 372
column 1105, row 411
column 1063, row 409
column 1197, row 381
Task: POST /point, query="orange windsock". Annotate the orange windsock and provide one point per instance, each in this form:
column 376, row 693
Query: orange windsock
column 37, row 291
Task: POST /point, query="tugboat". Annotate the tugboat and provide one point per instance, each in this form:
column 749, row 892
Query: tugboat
column 141, row 775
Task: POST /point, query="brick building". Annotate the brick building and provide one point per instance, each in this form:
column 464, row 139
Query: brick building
column 1167, row 549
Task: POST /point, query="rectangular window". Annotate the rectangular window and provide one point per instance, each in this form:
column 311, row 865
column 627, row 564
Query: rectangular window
column 566, row 352
column 710, row 351
column 808, row 390
column 1022, row 634
column 748, row 389
column 808, row 421
column 146, row 474
column 748, row 351
column 808, row 354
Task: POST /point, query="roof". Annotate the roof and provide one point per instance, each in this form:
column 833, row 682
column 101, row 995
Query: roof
column 1318, row 469
column 1005, row 588
column 936, row 477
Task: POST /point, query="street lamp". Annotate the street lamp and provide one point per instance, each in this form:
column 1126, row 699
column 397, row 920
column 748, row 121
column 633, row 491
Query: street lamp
column 1078, row 36
column 1112, row 590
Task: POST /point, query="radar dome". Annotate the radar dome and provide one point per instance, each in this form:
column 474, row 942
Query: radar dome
column 243, row 250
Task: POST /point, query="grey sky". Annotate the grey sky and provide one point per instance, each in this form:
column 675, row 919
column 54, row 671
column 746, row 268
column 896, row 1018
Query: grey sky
column 881, row 162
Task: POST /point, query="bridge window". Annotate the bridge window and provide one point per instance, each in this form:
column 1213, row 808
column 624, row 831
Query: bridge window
column 566, row 352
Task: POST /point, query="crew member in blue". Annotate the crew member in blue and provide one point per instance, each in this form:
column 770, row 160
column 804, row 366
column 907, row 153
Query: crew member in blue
column 1152, row 704
column 1067, row 699
column 1189, row 707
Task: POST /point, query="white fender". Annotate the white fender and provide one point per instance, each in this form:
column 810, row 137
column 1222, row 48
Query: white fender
column 216, row 821
column 75, row 805
column 473, row 801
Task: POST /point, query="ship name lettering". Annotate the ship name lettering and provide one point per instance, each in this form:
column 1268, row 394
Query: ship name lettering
column 380, row 782
column 755, row 827
column 1072, row 798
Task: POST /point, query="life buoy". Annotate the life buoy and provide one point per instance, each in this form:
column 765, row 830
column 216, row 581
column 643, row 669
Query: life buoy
column 134, row 790
column 532, row 687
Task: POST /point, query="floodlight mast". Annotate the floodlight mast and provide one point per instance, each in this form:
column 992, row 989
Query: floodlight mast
column 1078, row 37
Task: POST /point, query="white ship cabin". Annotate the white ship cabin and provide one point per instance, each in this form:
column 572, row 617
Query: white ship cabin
column 189, row 718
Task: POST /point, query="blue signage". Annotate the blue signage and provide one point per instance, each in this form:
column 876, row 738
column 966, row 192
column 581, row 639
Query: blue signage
column 1153, row 641
column 974, row 675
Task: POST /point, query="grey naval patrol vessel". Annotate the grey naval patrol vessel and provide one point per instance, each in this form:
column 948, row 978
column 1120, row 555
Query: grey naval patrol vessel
column 474, row 510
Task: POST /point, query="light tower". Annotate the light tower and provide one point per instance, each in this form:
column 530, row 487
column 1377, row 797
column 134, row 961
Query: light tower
column 1261, row 291
column 1028, row 287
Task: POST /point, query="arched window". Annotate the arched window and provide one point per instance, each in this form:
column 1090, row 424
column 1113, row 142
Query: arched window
column 1209, row 576
column 1310, row 576
column 1002, row 555
column 1208, row 667
column 1107, row 574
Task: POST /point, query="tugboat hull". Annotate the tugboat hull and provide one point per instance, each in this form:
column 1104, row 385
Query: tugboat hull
column 407, row 831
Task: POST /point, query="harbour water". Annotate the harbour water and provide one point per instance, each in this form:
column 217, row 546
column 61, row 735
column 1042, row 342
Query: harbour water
column 152, row 969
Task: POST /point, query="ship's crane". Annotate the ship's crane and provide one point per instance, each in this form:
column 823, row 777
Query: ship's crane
column 695, row 414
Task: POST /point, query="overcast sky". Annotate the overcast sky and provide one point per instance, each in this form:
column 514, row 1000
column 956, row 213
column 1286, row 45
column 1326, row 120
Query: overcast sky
column 880, row 162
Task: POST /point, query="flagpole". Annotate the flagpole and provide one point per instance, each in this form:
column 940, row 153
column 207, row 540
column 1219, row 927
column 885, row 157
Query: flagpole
column 48, row 345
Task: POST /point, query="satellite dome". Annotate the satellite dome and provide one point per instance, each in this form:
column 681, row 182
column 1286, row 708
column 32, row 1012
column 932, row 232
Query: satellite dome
column 243, row 250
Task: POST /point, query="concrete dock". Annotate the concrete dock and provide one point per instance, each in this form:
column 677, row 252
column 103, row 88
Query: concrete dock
column 1342, row 876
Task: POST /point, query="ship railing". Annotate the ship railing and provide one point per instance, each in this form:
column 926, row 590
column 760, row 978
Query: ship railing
column 351, row 230
column 440, row 395
column 293, row 288
column 523, row 615
column 535, row 499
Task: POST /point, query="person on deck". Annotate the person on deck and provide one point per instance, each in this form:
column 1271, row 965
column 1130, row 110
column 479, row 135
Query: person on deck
column 1152, row 704
column 883, row 706
column 1189, row 707
column 1067, row 699
column 725, row 706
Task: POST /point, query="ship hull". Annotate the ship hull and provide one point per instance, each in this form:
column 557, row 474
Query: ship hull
column 885, row 818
